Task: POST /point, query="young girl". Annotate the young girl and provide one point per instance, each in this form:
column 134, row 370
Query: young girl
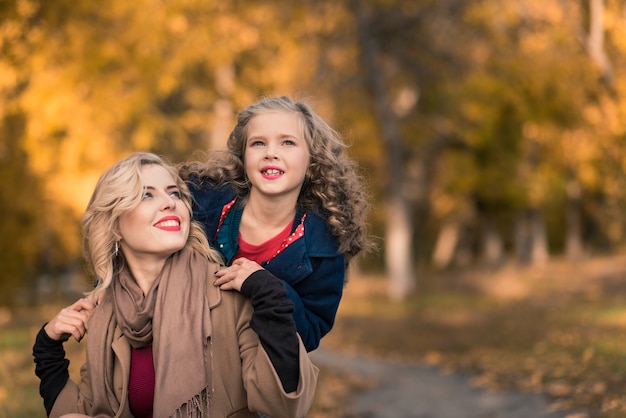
column 285, row 196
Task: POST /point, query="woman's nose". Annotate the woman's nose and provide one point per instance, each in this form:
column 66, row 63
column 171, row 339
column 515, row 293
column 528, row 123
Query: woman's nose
column 169, row 202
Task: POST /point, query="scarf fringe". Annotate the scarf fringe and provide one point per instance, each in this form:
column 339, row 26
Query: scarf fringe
column 196, row 407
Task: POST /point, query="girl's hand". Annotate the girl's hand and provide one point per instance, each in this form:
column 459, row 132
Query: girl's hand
column 70, row 321
column 232, row 278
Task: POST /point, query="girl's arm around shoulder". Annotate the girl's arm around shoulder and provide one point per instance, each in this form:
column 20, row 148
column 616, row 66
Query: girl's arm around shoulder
column 281, row 380
column 51, row 367
column 272, row 320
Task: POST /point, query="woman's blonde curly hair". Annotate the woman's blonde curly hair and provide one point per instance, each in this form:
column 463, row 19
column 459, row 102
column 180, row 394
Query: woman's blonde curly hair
column 332, row 186
column 118, row 191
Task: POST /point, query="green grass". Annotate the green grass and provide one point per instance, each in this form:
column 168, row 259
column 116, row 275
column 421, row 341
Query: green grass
column 19, row 396
column 19, row 387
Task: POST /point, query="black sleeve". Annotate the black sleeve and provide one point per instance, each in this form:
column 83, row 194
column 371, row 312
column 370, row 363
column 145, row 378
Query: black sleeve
column 272, row 320
column 51, row 367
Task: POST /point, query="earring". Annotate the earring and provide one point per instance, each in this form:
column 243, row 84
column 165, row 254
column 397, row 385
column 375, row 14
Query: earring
column 116, row 249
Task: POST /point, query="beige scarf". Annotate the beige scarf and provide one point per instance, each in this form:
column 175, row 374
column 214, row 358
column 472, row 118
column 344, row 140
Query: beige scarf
column 174, row 317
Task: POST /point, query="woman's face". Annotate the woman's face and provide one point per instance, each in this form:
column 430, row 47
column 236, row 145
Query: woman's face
column 159, row 225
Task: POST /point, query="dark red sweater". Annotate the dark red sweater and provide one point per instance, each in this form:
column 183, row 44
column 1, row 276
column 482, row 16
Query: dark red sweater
column 141, row 382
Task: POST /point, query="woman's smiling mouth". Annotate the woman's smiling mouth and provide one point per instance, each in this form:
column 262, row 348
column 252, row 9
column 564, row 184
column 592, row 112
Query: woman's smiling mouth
column 169, row 223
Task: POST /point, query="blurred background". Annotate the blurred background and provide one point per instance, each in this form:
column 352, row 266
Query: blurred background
column 490, row 133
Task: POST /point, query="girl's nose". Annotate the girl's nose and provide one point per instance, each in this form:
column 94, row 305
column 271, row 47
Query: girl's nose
column 270, row 153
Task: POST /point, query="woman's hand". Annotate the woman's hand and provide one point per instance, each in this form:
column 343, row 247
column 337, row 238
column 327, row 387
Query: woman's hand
column 232, row 278
column 70, row 321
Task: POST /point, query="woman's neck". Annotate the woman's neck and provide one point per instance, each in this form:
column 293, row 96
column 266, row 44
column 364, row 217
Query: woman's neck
column 145, row 272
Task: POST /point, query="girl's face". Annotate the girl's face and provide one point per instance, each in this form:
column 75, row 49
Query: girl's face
column 159, row 225
column 276, row 156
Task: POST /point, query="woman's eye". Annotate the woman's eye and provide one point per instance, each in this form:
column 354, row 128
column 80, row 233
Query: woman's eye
column 146, row 195
column 175, row 194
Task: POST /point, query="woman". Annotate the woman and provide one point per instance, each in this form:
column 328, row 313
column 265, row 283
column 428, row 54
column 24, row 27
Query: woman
column 286, row 196
column 162, row 339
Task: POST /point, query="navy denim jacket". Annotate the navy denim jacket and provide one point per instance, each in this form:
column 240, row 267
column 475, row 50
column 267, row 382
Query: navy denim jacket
column 311, row 268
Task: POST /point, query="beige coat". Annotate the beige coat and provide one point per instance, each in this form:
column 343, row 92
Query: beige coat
column 241, row 374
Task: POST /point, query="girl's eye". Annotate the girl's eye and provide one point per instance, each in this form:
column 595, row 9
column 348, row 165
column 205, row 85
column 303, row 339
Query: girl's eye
column 289, row 142
column 256, row 143
column 176, row 194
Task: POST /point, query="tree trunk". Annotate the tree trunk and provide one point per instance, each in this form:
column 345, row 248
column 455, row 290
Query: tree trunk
column 398, row 245
column 539, row 238
column 595, row 40
column 446, row 244
column 522, row 239
column 493, row 248
column 573, row 239
column 223, row 107
column 399, row 262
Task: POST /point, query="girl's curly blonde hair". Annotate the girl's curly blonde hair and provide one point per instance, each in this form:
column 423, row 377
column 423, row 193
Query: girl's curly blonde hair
column 332, row 186
column 118, row 191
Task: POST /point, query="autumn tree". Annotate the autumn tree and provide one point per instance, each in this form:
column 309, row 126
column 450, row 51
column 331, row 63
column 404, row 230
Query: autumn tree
column 485, row 129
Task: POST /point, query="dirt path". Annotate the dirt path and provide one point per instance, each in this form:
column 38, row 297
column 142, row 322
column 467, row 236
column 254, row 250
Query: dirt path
column 415, row 391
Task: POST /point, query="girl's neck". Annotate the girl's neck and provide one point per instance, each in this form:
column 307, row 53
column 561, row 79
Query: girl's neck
column 262, row 219
column 274, row 212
